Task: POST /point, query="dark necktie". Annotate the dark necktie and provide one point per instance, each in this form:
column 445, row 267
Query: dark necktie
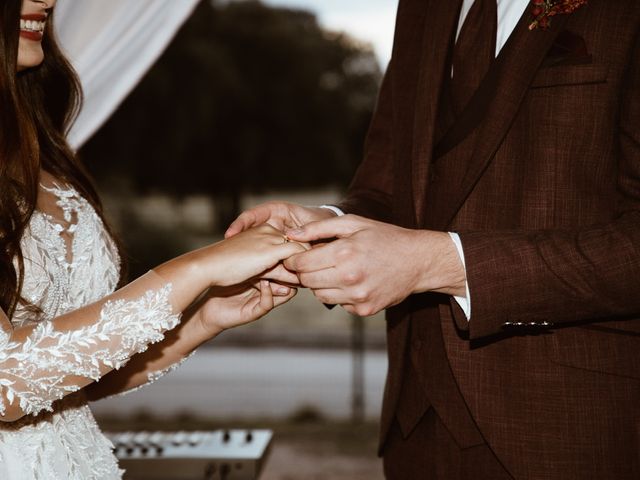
column 474, row 51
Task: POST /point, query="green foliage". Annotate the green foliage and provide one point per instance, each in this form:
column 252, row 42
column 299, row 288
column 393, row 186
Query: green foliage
column 246, row 98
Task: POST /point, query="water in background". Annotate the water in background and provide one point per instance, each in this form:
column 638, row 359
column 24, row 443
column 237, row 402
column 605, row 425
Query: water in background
column 257, row 383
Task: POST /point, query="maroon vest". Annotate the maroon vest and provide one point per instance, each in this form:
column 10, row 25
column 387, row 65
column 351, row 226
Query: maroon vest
column 427, row 377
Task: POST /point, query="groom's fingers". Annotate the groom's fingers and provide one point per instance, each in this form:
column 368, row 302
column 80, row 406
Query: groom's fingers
column 334, row 227
column 251, row 218
column 245, row 221
column 277, row 214
column 327, row 278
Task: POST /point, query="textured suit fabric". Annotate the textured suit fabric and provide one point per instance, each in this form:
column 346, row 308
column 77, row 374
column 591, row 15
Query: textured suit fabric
column 431, row 448
column 543, row 187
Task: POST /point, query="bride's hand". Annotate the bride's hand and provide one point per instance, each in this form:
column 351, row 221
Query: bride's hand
column 250, row 254
column 227, row 307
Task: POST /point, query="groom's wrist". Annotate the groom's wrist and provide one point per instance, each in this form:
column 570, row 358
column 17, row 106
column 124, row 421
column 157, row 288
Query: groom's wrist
column 441, row 269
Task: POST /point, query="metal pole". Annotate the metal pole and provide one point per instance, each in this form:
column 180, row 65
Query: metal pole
column 357, row 380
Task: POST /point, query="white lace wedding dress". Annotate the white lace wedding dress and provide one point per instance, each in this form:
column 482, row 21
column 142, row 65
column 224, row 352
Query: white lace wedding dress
column 70, row 262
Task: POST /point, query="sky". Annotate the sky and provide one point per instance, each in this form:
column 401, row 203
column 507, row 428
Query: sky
column 369, row 20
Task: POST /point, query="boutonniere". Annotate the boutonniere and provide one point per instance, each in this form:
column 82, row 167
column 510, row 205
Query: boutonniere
column 543, row 10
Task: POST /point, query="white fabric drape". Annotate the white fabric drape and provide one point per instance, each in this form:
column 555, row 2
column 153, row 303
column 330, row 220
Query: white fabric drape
column 112, row 44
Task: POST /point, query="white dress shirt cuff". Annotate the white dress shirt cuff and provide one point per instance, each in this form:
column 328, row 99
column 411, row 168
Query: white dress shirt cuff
column 464, row 302
column 335, row 210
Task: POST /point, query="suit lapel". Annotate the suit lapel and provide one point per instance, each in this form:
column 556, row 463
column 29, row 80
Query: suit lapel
column 512, row 73
column 440, row 26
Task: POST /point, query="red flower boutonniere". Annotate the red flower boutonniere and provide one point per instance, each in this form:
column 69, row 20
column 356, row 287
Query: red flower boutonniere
column 543, row 10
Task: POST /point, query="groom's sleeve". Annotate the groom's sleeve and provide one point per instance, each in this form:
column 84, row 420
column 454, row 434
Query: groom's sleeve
column 591, row 273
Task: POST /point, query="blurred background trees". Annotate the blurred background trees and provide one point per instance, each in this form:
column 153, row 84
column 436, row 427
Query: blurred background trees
column 248, row 98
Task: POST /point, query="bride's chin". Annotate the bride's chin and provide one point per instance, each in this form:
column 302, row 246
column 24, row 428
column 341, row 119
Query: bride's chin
column 29, row 59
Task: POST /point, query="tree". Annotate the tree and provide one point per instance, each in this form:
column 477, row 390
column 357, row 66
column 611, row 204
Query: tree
column 247, row 98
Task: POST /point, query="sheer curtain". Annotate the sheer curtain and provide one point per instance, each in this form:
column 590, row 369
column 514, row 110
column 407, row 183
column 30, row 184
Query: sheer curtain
column 112, row 44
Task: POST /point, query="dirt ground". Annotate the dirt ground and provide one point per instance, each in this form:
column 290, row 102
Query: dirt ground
column 291, row 462
column 324, row 452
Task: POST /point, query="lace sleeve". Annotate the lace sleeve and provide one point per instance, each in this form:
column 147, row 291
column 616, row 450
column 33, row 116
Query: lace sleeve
column 53, row 362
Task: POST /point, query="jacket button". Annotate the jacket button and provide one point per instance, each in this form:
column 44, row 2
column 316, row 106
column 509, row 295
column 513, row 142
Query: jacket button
column 417, row 345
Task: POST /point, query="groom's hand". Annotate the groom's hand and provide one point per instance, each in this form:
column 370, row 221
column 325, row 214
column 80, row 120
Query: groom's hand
column 372, row 266
column 280, row 215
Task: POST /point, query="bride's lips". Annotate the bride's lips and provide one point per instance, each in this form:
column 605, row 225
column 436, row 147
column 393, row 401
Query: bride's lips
column 32, row 26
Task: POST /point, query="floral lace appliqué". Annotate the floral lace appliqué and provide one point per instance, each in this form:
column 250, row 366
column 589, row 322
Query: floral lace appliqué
column 70, row 262
column 42, row 365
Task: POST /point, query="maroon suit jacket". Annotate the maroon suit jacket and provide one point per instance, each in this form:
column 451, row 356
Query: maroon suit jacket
column 547, row 205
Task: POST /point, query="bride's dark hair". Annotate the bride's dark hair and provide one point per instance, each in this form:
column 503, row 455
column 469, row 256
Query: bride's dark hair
column 37, row 107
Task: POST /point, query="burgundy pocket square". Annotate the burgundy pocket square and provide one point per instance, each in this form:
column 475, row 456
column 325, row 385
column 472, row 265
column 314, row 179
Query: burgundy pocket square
column 568, row 49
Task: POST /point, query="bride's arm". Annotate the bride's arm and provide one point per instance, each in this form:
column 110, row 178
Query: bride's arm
column 41, row 364
column 215, row 312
